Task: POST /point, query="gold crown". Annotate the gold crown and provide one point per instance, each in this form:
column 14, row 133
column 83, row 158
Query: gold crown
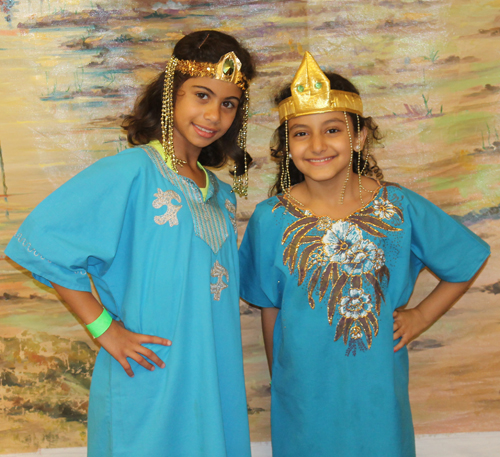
column 311, row 94
column 227, row 69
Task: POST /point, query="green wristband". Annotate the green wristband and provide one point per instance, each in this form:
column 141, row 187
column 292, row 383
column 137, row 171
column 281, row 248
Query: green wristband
column 100, row 325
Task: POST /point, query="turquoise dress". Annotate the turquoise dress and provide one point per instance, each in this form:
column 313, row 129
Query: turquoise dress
column 164, row 263
column 338, row 388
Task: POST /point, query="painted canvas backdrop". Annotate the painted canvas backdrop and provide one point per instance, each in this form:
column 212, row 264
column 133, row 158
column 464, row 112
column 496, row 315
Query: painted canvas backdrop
column 429, row 74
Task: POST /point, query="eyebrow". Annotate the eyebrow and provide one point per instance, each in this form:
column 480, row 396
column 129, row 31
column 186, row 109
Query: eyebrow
column 213, row 93
column 329, row 121
column 335, row 120
column 297, row 126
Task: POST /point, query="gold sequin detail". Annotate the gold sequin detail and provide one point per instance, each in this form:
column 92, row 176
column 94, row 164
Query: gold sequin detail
column 339, row 263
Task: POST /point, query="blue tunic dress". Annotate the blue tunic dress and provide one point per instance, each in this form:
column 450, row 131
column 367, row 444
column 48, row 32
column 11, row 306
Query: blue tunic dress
column 338, row 388
column 165, row 263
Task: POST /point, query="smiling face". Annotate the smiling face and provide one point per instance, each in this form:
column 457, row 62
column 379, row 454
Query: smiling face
column 319, row 144
column 204, row 110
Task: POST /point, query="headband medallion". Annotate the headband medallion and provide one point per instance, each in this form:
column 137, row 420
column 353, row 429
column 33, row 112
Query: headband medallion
column 311, row 94
column 227, row 69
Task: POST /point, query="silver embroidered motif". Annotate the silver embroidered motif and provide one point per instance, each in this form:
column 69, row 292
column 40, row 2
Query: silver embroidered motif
column 27, row 246
column 218, row 271
column 165, row 199
column 232, row 215
column 208, row 217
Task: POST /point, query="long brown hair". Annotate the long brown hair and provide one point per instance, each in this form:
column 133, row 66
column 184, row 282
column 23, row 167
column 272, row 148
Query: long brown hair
column 370, row 167
column 143, row 124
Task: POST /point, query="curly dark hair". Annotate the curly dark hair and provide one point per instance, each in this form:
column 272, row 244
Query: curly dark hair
column 144, row 123
column 370, row 167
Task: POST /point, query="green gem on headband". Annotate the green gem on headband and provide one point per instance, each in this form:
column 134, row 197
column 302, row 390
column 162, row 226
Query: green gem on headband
column 227, row 69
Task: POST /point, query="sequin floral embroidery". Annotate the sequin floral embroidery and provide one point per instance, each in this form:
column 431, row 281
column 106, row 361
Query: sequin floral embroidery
column 343, row 265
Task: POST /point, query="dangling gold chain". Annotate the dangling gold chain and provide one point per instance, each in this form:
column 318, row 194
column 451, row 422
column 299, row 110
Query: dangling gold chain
column 167, row 116
column 342, row 194
column 240, row 183
column 285, row 166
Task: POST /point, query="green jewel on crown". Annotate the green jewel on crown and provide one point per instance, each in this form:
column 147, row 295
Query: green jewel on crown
column 228, row 67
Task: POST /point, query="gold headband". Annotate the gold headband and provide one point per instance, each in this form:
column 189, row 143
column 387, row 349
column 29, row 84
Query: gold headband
column 311, row 94
column 227, row 69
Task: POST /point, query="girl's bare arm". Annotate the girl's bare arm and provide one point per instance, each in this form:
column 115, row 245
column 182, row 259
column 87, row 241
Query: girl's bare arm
column 117, row 340
column 268, row 316
column 410, row 323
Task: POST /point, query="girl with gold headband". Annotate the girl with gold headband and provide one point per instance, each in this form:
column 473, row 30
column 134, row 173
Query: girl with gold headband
column 156, row 232
column 332, row 259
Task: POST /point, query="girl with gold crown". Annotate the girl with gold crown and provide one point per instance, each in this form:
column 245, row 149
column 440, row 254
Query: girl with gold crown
column 156, row 232
column 332, row 259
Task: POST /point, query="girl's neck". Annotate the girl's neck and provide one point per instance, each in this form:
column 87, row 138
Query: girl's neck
column 323, row 198
column 190, row 155
column 185, row 150
column 191, row 169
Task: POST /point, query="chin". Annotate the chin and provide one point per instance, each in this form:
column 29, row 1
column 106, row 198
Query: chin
column 325, row 177
column 203, row 142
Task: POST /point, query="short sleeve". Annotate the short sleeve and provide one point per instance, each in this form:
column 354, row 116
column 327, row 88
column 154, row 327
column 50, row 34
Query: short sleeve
column 449, row 249
column 76, row 229
column 257, row 253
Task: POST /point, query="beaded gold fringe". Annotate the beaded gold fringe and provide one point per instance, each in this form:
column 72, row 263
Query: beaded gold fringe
column 240, row 183
column 167, row 116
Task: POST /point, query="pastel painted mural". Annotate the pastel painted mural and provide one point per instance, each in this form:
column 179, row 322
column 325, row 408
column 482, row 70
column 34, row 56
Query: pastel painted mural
column 429, row 73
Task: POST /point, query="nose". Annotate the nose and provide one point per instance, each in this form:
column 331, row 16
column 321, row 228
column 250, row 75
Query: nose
column 212, row 113
column 318, row 144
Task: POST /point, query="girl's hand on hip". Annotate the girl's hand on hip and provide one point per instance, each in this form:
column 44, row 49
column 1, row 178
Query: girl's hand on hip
column 408, row 325
column 123, row 344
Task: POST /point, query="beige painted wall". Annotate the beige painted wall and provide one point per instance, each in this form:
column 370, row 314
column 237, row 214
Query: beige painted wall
column 429, row 74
